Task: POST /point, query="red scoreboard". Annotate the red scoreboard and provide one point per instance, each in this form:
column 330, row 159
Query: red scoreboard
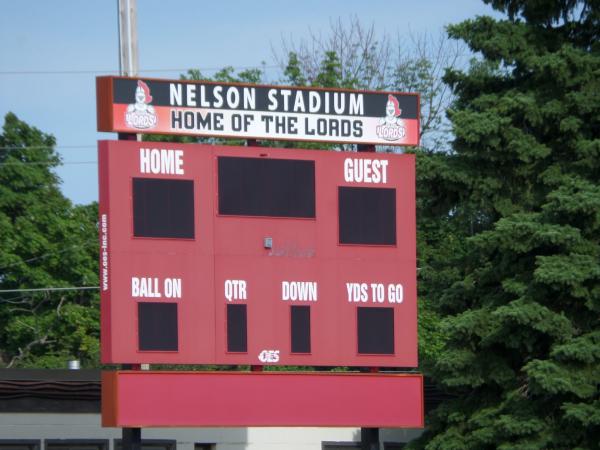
column 256, row 256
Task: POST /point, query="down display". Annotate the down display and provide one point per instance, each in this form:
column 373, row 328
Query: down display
column 259, row 256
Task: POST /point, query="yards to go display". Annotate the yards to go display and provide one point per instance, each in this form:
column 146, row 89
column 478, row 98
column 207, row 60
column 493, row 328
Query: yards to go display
column 363, row 292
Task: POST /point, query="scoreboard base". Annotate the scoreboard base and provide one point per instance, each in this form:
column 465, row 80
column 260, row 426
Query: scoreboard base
column 242, row 399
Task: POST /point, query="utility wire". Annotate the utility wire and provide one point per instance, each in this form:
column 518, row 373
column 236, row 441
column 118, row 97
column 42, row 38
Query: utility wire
column 49, row 163
column 51, row 289
column 116, row 72
column 48, row 254
column 43, row 147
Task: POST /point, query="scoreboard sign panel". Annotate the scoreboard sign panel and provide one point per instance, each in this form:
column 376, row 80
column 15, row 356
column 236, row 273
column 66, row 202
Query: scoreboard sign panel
column 248, row 111
column 210, row 255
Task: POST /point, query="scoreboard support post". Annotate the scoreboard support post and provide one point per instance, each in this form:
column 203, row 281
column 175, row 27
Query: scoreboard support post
column 127, row 137
column 365, row 148
column 369, row 438
column 132, row 439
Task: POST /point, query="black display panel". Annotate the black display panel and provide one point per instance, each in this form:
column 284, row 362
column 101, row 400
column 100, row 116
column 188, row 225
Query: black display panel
column 157, row 326
column 266, row 187
column 300, row 325
column 163, row 208
column 237, row 328
column 375, row 329
column 367, row 215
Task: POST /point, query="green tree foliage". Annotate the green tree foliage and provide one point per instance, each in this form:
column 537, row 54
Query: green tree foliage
column 45, row 241
column 514, row 267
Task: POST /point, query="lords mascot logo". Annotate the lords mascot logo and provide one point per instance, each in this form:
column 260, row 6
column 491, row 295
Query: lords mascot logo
column 391, row 127
column 141, row 114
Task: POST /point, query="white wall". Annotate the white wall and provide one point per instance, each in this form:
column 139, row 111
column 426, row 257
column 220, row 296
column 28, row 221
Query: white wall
column 87, row 426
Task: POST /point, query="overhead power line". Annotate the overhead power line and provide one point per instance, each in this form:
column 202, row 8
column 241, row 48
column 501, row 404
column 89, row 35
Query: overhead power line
column 33, row 163
column 116, row 72
column 42, row 147
column 48, row 254
column 51, row 289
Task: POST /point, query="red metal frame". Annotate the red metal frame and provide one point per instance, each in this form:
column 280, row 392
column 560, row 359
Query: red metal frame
column 109, row 113
column 230, row 247
column 242, row 399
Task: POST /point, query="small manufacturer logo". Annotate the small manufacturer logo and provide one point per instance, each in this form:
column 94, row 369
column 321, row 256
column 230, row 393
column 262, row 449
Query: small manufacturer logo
column 269, row 356
column 141, row 114
column 391, row 127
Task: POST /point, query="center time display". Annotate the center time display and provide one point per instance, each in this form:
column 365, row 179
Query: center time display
column 270, row 257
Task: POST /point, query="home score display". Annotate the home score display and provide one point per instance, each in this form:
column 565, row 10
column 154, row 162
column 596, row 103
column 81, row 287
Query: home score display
column 211, row 255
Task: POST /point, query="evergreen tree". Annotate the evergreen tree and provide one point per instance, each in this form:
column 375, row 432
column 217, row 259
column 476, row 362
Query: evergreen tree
column 514, row 265
column 45, row 242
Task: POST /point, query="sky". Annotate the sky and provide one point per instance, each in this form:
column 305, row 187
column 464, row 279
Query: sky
column 52, row 50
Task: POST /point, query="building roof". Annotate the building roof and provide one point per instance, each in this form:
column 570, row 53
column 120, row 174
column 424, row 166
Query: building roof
column 44, row 390
column 78, row 391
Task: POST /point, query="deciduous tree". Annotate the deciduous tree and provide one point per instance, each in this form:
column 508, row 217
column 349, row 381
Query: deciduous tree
column 45, row 242
column 352, row 55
